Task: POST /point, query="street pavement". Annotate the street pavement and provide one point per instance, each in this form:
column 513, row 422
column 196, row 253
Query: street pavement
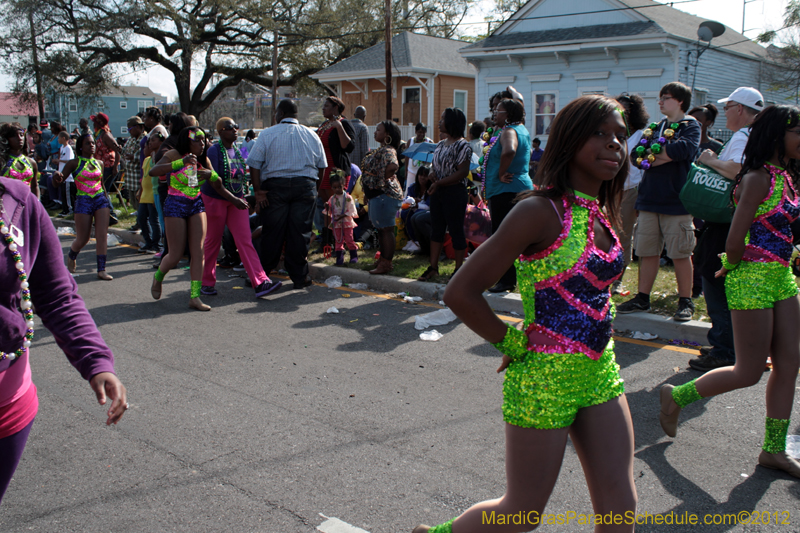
column 271, row 415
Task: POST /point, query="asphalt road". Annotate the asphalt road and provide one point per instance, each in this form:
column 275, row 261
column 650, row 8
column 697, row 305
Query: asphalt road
column 270, row 415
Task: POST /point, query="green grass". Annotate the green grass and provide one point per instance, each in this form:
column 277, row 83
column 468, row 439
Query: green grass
column 664, row 296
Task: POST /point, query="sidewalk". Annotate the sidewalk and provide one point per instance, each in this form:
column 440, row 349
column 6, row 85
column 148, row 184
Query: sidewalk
column 663, row 326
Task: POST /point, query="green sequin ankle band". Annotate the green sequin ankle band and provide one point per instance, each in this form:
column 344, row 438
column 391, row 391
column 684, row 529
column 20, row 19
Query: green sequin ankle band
column 775, row 435
column 447, row 527
column 514, row 344
column 159, row 275
column 195, row 288
column 686, row 394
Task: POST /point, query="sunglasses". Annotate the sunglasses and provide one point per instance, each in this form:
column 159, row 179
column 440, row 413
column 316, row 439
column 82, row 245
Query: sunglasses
column 230, row 127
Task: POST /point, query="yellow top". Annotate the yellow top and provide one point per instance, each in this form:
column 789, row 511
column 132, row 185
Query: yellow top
column 147, row 183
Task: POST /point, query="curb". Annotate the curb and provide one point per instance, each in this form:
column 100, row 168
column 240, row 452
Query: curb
column 510, row 303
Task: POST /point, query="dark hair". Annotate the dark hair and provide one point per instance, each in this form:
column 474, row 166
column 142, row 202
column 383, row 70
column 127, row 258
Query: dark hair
column 9, row 128
column 454, row 122
column 183, row 146
column 536, row 140
column 569, row 132
column 515, row 111
column 636, row 115
column 154, row 113
column 476, row 129
column 680, row 92
column 420, row 126
column 766, row 135
column 288, row 108
column 250, row 134
column 709, row 111
column 79, row 143
column 502, row 95
column 337, row 102
column 393, row 131
column 335, row 178
column 178, row 122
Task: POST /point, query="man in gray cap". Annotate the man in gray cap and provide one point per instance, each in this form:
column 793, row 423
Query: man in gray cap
column 130, row 159
column 741, row 109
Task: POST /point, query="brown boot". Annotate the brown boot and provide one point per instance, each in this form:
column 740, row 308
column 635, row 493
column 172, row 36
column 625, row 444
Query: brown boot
column 383, row 267
column 780, row 461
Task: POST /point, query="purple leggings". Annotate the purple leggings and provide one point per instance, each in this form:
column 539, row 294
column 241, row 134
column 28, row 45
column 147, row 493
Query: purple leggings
column 10, row 453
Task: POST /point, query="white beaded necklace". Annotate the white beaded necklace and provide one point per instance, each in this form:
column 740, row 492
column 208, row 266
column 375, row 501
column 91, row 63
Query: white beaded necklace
column 26, row 306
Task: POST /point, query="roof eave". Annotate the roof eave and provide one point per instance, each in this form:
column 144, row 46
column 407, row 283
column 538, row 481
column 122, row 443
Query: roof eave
column 371, row 74
column 566, row 46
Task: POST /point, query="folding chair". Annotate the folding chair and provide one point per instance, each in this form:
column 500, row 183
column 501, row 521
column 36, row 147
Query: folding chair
column 119, row 184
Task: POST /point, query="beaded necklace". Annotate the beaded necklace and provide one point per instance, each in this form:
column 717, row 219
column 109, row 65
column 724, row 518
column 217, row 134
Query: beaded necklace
column 644, row 155
column 25, row 305
column 489, row 141
column 226, row 168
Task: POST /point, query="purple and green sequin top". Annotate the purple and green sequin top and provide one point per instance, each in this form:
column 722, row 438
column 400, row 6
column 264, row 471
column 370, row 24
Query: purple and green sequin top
column 179, row 185
column 769, row 239
column 88, row 177
column 565, row 288
column 19, row 168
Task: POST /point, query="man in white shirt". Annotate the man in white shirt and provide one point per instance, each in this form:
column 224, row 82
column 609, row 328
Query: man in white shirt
column 741, row 109
column 284, row 167
column 65, row 154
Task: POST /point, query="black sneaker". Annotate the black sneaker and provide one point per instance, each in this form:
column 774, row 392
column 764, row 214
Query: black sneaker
column 267, row 287
column 708, row 362
column 685, row 310
column 208, row 290
column 228, row 262
column 637, row 303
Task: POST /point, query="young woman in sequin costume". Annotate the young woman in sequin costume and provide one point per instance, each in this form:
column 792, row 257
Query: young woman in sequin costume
column 184, row 212
column 91, row 203
column 17, row 165
column 562, row 379
column 759, row 284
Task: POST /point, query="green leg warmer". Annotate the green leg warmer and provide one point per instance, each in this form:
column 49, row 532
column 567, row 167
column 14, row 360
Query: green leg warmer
column 686, row 394
column 775, row 435
column 159, row 275
column 195, row 290
column 447, row 527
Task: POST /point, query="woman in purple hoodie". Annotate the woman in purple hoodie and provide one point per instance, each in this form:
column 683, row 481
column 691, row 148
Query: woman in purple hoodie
column 32, row 274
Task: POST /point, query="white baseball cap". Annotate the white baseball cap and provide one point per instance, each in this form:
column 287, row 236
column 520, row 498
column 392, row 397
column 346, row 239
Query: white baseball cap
column 747, row 96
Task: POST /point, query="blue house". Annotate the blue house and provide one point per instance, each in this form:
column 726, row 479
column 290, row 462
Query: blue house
column 553, row 51
column 119, row 104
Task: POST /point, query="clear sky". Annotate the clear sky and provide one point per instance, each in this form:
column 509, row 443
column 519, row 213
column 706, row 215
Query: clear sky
column 760, row 15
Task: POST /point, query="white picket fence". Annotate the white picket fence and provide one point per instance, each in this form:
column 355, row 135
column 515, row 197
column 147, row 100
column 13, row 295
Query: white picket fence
column 406, row 133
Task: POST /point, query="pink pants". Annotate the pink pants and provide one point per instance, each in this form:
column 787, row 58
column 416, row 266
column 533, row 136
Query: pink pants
column 344, row 236
column 221, row 213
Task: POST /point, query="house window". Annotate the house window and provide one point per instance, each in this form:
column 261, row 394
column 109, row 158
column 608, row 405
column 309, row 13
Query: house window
column 123, row 130
column 411, row 95
column 700, row 97
column 73, row 105
column 142, row 105
column 101, row 104
column 460, row 100
column 544, row 111
column 73, row 127
column 123, row 105
column 411, row 105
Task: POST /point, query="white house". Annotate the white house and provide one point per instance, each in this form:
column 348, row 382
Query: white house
column 553, row 51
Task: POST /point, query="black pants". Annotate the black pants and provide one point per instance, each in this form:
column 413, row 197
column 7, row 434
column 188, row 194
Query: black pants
column 68, row 192
column 287, row 220
column 448, row 207
column 499, row 207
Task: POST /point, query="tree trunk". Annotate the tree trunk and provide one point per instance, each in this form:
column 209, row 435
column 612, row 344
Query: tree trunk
column 36, row 70
column 388, row 59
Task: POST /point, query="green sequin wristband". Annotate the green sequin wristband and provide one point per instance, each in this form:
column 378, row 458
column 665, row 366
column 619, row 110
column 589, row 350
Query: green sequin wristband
column 514, row 344
column 214, row 176
column 726, row 265
column 177, row 164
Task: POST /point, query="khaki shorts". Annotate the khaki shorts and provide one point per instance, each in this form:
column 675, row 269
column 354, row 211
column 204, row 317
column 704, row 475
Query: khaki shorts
column 654, row 231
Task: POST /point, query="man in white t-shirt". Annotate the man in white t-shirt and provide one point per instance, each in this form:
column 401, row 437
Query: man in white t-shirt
column 65, row 154
column 741, row 109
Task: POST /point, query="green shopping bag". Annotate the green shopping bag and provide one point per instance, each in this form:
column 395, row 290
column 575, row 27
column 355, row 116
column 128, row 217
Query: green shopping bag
column 707, row 195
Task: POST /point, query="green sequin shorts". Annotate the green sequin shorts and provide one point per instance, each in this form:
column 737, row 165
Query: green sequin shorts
column 756, row 285
column 546, row 390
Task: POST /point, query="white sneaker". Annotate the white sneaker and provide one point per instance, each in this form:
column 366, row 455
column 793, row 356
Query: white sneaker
column 239, row 268
column 412, row 247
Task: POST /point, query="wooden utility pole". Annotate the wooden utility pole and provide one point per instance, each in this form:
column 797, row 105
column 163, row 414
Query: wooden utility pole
column 36, row 70
column 388, row 59
column 274, row 78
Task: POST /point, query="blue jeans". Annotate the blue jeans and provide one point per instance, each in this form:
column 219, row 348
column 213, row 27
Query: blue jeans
column 147, row 218
column 720, row 337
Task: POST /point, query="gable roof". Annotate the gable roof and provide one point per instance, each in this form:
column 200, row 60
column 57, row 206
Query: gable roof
column 11, row 106
column 410, row 51
column 131, row 91
column 660, row 19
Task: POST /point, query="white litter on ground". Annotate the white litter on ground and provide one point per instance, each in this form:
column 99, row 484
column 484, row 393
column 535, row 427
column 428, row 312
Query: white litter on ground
column 358, row 286
column 412, row 299
column 112, row 240
column 437, row 318
column 332, row 311
column 64, row 230
column 431, row 335
column 333, row 282
column 793, row 446
column 644, row 336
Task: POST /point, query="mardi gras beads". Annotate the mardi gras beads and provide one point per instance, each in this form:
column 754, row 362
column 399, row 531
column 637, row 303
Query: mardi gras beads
column 644, row 155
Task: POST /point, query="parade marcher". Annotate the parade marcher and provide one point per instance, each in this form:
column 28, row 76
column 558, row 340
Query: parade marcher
column 382, row 191
column 91, row 202
column 562, row 380
column 284, row 169
column 505, row 168
column 448, row 189
column 341, row 210
column 34, row 275
column 16, row 163
column 760, row 286
column 186, row 165
column 225, row 206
